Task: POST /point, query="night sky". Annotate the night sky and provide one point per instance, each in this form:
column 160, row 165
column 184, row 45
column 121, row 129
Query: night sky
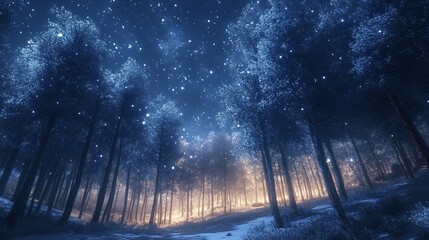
column 182, row 45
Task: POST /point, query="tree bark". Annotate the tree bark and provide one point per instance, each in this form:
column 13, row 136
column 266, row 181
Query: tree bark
column 411, row 128
column 105, row 182
column 326, row 174
column 127, row 187
column 7, row 171
column 20, row 203
column 337, row 172
column 290, row 190
column 155, row 195
column 109, row 204
column 405, row 160
column 361, row 164
column 76, row 184
column 269, row 175
column 85, row 196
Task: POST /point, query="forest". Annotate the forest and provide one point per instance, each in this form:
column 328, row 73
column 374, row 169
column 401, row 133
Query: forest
column 322, row 100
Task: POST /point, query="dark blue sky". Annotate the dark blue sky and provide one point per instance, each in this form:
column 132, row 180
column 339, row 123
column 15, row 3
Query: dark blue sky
column 181, row 43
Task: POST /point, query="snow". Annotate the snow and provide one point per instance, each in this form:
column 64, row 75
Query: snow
column 322, row 208
column 237, row 233
column 369, row 200
column 6, row 205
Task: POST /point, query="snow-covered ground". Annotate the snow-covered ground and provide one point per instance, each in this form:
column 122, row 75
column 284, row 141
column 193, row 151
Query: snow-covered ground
column 237, row 233
column 6, row 205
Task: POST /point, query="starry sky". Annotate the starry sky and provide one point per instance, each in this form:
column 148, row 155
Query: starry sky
column 182, row 44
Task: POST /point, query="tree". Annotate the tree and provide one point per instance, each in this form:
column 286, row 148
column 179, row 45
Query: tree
column 163, row 120
column 128, row 88
column 58, row 71
column 390, row 55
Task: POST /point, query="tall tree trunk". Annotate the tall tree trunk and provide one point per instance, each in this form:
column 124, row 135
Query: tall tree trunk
column 307, row 181
column 290, row 190
column 76, row 184
column 326, row 174
column 337, row 172
column 22, row 175
column 244, row 185
column 127, row 187
column 188, row 190
column 55, row 188
column 156, row 193
column 361, row 164
column 105, row 182
column 269, row 177
column 211, row 193
column 171, row 200
column 20, row 203
column 40, row 183
column 85, row 196
column 256, row 187
column 405, row 161
column 203, row 190
column 146, row 193
column 411, row 128
column 138, row 200
column 109, row 204
column 48, row 186
column 377, row 160
column 298, row 181
column 7, row 171
column 224, row 190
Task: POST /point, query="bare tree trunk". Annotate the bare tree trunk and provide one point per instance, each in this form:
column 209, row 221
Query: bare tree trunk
column 171, row 200
column 76, row 185
column 405, row 161
column 103, row 187
column 20, row 202
column 85, row 195
column 337, row 172
column 109, row 204
column 290, row 190
column 127, row 187
column 327, row 177
column 155, row 195
column 7, row 171
column 361, row 164
column 269, row 175
column 411, row 128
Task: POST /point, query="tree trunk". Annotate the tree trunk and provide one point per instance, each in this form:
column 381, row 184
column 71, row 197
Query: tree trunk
column 76, row 184
column 307, row 181
column 337, row 172
column 326, row 174
column 203, row 188
column 85, row 196
column 360, row 163
column 290, row 190
column 22, row 175
column 55, row 188
column 105, row 182
column 171, row 200
column 127, row 187
column 48, row 186
column 405, row 160
column 20, row 203
column 40, row 183
column 411, row 128
column 156, row 193
column 377, row 160
column 269, row 177
column 109, row 204
column 7, row 171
